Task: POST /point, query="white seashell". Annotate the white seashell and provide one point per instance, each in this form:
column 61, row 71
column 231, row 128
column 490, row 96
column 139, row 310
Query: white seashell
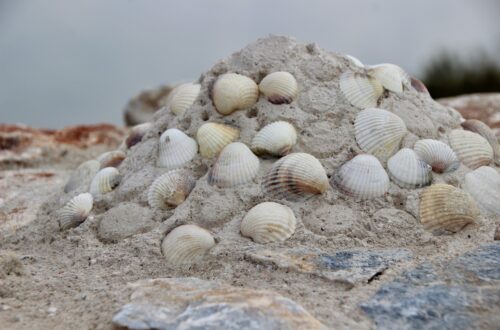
column 233, row 92
column 485, row 131
column 277, row 139
column 279, row 87
column 170, row 189
column 355, row 61
column 175, row 149
column 111, row 158
column 437, row 154
column 269, row 222
column 136, row 134
column 186, row 244
column 182, row 97
column 82, row 175
column 483, row 184
column 362, row 177
column 360, row 90
column 75, row 211
column 391, row 76
column 471, row 148
column 213, row 137
column 407, row 170
column 104, row 181
column 379, row 132
column 235, row 165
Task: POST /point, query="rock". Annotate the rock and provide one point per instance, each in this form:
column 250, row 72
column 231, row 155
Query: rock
column 123, row 221
column 191, row 303
column 142, row 107
column 496, row 236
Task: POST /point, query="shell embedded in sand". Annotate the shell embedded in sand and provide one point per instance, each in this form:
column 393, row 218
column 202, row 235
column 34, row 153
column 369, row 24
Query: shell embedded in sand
column 379, row 132
column 471, row 148
column 485, row 131
column 277, row 139
column 213, row 137
column 444, row 207
column 407, row 170
column 75, row 211
column 170, row 189
column 279, row 87
column 269, row 222
column 182, row 97
column 483, row 184
column 418, row 85
column 233, row 92
column 362, row 177
column 355, row 61
column 437, row 154
column 105, row 181
column 136, row 134
column 391, row 76
column 295, row 175
column 82, row 175
column 186, row 244
column 111, row 158
column 360, row 90
column 175, row 149
column 235, row 165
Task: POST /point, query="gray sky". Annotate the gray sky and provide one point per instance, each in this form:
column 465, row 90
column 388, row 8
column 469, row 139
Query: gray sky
column 69, row 62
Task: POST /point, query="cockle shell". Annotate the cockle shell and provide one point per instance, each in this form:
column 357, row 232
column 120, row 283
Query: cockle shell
column 362, row 177
column 277, row 139
column 269, row 222
column 295, row 175
column 75, row 211
column 111, row 158
column 391, row 76
column 360, row 90
column 437, row 154
column 444, row 207
column 236, row 164
column 136, row 134
column 170, row 189
column 485, row 131
column 483, row 184
column 186, row 244
column 213, row 137
column 355, row 61
column 379, row 132
column 175, row 149
column 407, row 170
column 233, row 92
column 418, row 85
column 82, row 175
column 279, row 87
column 182, row 97
column 104, row 181
column 471, row 148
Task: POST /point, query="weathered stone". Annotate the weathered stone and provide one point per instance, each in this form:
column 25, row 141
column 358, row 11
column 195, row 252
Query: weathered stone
column 123, row 221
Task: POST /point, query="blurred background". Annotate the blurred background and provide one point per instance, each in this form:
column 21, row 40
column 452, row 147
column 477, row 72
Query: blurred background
column 74, row 62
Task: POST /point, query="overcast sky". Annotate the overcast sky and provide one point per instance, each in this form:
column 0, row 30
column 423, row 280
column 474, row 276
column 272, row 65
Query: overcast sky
column 69, row 62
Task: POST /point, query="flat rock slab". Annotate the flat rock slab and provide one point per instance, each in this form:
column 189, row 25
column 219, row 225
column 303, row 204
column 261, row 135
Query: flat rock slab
column 191, row 303
column 463, row 293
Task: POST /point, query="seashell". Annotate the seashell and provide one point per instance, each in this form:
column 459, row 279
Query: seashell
column 235, row 165
column 170, row 189
column 295, row 175
column 136, row 134
column 485, row 131
column 471, row 148
column 213, row 137
column 355, row 61
column 82, row 175
column 175, row 149
column 437, row 154
column 186, row 244
column 407, row 170
column 75, row 211
column 182, row 97
column 269, row 222
column 104, row 181
column 233, row 92
column 111, row 158
column 391, row 76
column 279, row 87
column 277, row 139
column 379, row 132
column 483, row 184
column 362, row 177
column 444, row 207
column 418, row 85
column 360, row 90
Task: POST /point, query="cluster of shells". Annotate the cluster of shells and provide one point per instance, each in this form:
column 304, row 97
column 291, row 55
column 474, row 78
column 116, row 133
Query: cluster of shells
column 379, row 133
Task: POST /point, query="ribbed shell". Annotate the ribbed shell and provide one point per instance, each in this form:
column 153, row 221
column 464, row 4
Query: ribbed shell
column 379, row 132
column 170, row 189
column 175, row 149
column 407, row 170
column 111, row 158
column 485, row 131
column 82, row 175
column 295, row 175
column 444, row 207
column 471, row 148
column 213, row 137
column 279, row 87
column 186, row 244
column 105, row 181
column 277, row 139
column 182, row 97
column 269, row 222
column 360, row 90
column 363, row 177
column 437, row 154
column 483, row 184
column 136, row 134
column 235, row 165
column 75, row 211
column 391, row 76
column 233, row 92
column 355, row 61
